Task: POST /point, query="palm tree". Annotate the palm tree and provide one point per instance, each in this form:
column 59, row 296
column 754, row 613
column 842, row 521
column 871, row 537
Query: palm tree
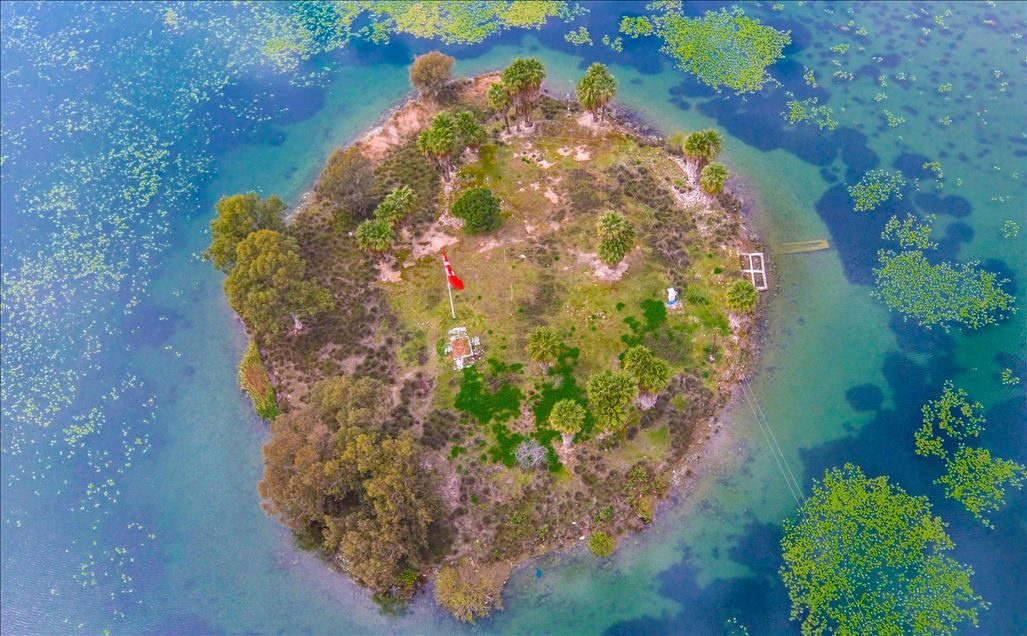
column 616, row 237
column 701, row 147
column 650, row 372
column 596, row 89
column 742, row 296
column 567, row 418
column 524, row 78
column 499, row 101
column 374, row 235
column 439, row 143
column 712, row 178
column 543, row 346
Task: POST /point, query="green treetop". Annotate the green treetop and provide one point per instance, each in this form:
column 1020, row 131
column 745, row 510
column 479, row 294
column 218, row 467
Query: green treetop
column 499, row 101
column 616, row 237
column 652, row 374
column 440, row 143
column 524, row 79
column 470, row 132
column 238, row 216
column 269, row 285
column 567, row 418
column 430, row 72
column 712, row 178
column 479, row 209
column 396, row 204
column 374, row 235
column 742, row 296
column 978, row 481
column 543, row 346
column 864, row 557
column 596, row 89
column 609, row 395
column 346, row 400
column 701, row 147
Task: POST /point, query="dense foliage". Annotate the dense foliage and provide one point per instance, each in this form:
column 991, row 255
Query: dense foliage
column 543, row 346
column 347, row 183
column 713, row 178
column 479, row 209
column 430, row 72
column 377, row 234
column 596, row 89
column 616, row 237
column 499, row 100
column 523, row 78
column 254, row 381
column 440, row 143
column 466, row 590
column 361, row 495
column 721, row 48
column 567, row 418
column 702, row 146
column 237, row 217
column 650, row 373
column 864, row 557
column 469, row 130
column 609, row 396
column 742, row 296
column 601, row 544
column 268, row 285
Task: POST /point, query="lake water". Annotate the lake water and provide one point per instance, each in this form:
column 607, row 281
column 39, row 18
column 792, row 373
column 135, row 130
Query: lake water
column 130, row 459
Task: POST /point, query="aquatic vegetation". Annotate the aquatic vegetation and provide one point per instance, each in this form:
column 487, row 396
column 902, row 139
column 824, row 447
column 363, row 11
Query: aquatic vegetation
column 581, row 37
column 978, row 481
column 893, row 119
column 935, row 167
column 616, row 44
column 910, row 232
column 1008, row 378
column 809, row 110
column 721, row 48
column 840, row 48
column 1010, row 229
column 952, row 414
column 875, row 188
column 809, row 77
column 945, row 88
column 841, row 578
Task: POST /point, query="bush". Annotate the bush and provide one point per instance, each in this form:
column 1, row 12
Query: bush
column 253, row 379
column 466, row 591
column 347, row 181
column 601, row 544
column 430, row 72
column 479, row 209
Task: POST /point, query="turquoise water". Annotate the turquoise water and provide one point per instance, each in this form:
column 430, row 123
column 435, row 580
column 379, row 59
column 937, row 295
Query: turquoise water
column 130, row 459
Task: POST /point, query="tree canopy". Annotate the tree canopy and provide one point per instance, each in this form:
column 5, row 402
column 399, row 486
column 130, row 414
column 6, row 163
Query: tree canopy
column 347, row 182
column 609, row 396
column 237, row 217
column 567, row 418
column 499, row 100
column 651, row 373
column 864, row 557
column 269, row 285
column 596, row 89
column 616, row 237
column 523, row 78
column 469, row 130
column 543, row 346
column 742, row 296
column 374, row 235
column 479, row 209
column 713, row 178
column 702, row 146
column 430, row 72
column 440, row 142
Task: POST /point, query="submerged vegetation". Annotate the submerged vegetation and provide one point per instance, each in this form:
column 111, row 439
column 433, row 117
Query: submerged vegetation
column 876, row 188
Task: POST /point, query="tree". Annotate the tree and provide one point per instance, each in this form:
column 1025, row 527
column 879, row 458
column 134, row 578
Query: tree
column 701, row 147
column 295, row 480
column 467, row 590
column 374, row 235
column 596, row 89
column 601, row 544
column 864, row 557
column 396, row 204
column 499, row 101
column 269, row 283
column 238, row 216
column 978, row 481
column 439, row 143
column 616, row 237
column 543, row 346
column 712, row 178
column 652, row 374
column 351, row 401
column 479, row 209
column 567, row 418
column 471, row 133
column 742, row 296
column 347, row 181
column 524, row 79
column 609, row 395
column 430, row 72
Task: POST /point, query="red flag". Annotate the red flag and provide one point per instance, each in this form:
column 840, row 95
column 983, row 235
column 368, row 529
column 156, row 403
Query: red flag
column 454, row 282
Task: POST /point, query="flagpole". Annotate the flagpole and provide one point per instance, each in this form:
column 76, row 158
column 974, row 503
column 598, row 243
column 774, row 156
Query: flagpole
column 449, row 288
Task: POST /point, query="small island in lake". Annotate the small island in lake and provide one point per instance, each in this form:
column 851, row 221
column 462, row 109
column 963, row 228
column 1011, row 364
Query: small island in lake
column 502, row 324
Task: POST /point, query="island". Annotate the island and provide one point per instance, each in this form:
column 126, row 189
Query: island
column 501, row 324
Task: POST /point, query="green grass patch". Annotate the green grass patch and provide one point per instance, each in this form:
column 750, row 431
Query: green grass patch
column 500, row 404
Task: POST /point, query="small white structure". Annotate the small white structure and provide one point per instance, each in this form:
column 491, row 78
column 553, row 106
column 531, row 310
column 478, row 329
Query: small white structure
column 672, row 298
column 462, row 349
column 754, row 265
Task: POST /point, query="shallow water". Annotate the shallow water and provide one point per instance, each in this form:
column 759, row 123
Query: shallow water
column 130, row 503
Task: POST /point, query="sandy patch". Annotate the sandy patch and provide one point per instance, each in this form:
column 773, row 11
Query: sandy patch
column 387, row 272
column 552, row 196
column 586, row 121
column 564, row 151
column 581, row 153
column 544, row 164
column 433, row 241
column 601, row 270
column 536, row 186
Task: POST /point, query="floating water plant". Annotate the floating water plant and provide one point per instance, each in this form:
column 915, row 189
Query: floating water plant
column 1010, row 229
column 808, row 110
column 875, row 188
column 581, row 37
column 910, row 232
column 979, row 482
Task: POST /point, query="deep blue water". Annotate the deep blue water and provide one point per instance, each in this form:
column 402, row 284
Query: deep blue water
column 130, row 459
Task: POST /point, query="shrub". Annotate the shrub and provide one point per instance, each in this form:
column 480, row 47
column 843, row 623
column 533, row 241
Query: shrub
column 601, row 544
column 467, row 591
column 253, row 379
column 479, row 209
column 742, row 296
column 347, row 181
column 430, row 72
